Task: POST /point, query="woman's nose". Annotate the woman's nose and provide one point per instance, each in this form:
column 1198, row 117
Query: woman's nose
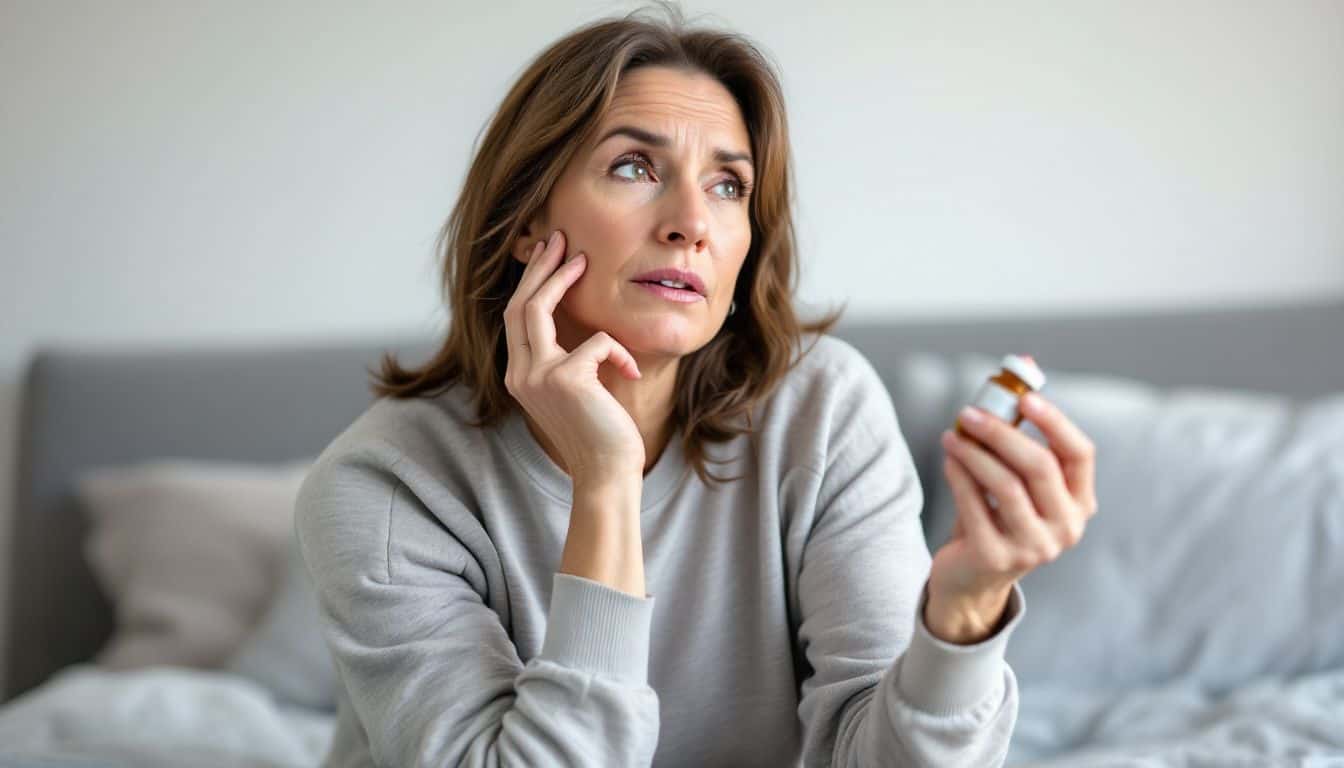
column 686, row 217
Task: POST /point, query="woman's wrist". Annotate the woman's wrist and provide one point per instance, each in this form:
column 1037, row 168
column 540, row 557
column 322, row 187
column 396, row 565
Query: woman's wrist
column 604, row 541
column 969, row 620
column 608, row 483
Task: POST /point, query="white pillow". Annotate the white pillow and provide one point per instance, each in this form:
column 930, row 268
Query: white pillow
column 1217, row 553
column 286, row 652
column 189, row 553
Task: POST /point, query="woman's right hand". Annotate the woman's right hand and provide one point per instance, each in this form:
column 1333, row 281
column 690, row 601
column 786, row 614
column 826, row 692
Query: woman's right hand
column 594, row 434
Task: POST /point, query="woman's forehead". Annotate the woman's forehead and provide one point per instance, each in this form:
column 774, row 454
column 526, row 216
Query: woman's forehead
column 665, row 106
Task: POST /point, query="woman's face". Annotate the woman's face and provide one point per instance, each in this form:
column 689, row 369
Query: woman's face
column 660, row 185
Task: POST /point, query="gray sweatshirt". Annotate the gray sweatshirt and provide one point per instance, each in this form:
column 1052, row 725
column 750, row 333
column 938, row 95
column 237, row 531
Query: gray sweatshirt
column 782, row 624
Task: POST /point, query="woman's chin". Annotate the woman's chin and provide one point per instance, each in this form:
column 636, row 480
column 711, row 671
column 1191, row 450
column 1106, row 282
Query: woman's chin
column 669, row 337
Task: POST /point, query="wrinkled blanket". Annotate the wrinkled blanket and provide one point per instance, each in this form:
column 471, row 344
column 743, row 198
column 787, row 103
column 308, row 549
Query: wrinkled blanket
column 1271, row 722
column 160, row 716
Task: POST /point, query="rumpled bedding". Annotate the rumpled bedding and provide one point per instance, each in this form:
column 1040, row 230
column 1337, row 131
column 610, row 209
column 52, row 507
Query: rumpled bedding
column 1268, row 722
column 170, row 716
column 158, row 716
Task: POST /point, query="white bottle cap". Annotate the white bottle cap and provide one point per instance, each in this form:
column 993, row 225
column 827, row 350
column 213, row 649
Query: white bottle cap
column 1026, row 369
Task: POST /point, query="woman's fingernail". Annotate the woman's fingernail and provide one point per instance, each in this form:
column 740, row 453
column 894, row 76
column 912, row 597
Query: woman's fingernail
column 555, row 235
column 972, row 415
column 1031, row 402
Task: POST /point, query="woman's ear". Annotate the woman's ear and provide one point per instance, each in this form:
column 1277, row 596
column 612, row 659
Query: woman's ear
column 522, row 249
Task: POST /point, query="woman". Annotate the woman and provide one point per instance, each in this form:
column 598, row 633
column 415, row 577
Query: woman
column 516, row 565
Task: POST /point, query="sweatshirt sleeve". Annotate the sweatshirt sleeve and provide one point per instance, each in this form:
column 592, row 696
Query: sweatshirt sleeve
column 431, row 672
column 883, row 690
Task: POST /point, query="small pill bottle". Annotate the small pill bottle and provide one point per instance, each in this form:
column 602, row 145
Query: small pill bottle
column 1000, row 393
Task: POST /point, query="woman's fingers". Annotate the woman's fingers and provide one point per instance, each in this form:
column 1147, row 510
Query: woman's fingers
column 529, row 318
column 539, row 311
column 515, row 334
column 601, row 348
column 1016, row 510
column 1077, row 454
column 1033, row 462
column 515, row 324
column 539, row 267
column 974, row 516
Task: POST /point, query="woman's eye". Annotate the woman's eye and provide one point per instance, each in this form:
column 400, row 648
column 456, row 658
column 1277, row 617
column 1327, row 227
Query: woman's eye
column 636, row 163
column 737, row 188
column 639, row 164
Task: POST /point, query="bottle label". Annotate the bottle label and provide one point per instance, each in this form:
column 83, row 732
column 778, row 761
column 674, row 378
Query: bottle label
column 997, row 400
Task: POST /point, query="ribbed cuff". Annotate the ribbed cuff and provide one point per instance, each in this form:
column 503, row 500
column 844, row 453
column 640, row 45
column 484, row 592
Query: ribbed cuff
column 598, row 629
column 944, row 678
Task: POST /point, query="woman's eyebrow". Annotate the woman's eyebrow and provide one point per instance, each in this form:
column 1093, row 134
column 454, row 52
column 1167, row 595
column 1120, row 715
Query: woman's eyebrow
column 659, row 140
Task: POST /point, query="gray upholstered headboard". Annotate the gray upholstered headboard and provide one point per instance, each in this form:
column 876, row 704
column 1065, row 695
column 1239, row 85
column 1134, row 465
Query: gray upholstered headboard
column 88, row 407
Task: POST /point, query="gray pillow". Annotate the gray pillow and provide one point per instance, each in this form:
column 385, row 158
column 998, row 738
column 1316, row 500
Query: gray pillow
column 189, row 553
column 1217, row 554
column 286, row 652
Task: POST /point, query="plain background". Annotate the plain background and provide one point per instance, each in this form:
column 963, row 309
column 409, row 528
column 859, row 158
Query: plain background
column 203, row 172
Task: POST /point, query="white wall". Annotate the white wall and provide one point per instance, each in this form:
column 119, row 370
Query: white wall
column 219, row 170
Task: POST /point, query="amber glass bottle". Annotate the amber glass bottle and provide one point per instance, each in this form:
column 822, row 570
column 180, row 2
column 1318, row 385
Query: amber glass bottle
column 999, row 394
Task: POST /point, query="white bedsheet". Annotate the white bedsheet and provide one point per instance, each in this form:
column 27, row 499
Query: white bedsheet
column 1270, row 723
column 159, row 716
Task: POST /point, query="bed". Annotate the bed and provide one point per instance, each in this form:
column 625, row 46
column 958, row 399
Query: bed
column 1267, row 380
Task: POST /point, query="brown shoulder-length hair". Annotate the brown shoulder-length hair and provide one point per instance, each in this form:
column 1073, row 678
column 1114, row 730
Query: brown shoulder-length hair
column 547, row 116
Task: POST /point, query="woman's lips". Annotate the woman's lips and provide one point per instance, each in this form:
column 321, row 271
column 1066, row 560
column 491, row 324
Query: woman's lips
column 683, row 295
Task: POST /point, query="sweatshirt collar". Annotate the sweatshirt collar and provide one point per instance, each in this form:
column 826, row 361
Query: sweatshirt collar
column 659, row 482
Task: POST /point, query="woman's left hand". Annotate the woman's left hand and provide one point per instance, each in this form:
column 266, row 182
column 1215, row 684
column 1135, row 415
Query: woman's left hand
column 1045, row 496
